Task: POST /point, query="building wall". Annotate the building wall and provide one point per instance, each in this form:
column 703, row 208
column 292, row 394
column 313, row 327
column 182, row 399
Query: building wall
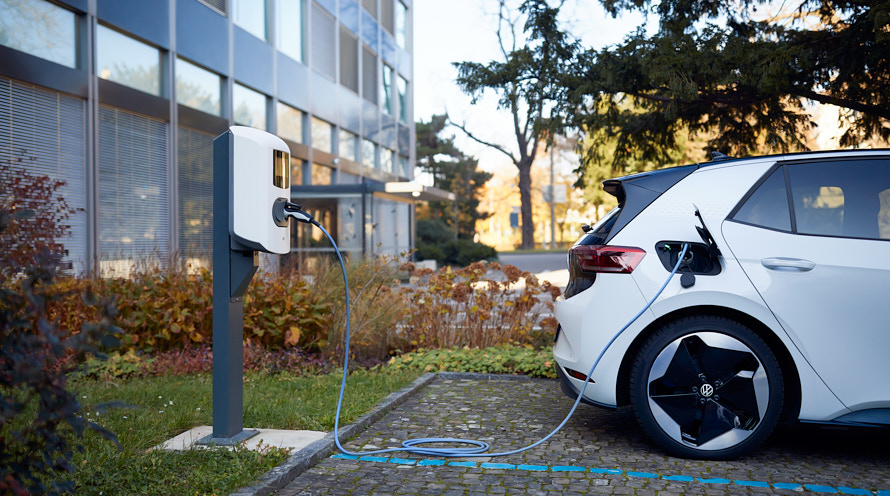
column 122, row 98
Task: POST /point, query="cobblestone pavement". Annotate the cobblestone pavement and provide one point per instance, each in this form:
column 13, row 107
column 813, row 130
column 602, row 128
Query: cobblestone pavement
column 599, row 451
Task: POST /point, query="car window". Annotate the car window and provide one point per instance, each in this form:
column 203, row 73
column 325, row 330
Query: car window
column 768, row 205
column 884, row 215
column 841, row 198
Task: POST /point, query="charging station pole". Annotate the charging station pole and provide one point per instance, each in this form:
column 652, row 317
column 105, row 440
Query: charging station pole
column 233, row 267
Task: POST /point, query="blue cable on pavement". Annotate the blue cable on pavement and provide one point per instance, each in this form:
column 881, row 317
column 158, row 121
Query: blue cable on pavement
column 473, row 447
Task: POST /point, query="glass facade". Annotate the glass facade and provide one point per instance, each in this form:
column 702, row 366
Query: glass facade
column 369, row 154
column 322, row 135
column 198, row 88
column 403, row 100
column 386, row 156
column 248, row 107
column 386, row 90
column 369, row 75
column 401, row 25
column 41, row 29
column 290, row 123
column 348, row 59
column 195, row 163
column 132, row 191
column 321, row 174
column 348, row 145
column 251, row 16
column 289, row 29
column 126, row 61
column 181, row 76
column 324, row 54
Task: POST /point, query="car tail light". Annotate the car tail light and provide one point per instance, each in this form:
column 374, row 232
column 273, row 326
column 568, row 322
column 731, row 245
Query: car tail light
column 606, row 258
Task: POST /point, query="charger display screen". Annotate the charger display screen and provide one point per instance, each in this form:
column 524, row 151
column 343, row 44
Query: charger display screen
column 281, row 169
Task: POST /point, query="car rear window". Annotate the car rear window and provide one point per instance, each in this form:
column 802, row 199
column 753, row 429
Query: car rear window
column 601, row 230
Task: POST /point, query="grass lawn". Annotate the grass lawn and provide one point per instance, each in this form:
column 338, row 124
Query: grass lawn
column 166, row 406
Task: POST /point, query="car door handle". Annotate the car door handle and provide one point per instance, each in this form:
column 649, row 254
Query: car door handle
column 783, row 263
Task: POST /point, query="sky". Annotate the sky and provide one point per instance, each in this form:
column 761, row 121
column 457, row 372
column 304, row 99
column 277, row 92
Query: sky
column 447, row 31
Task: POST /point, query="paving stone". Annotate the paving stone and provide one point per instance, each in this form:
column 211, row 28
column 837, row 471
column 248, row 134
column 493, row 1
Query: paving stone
column 615, row 455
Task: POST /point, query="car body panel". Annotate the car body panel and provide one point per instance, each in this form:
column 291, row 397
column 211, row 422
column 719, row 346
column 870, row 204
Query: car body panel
column 849, row 280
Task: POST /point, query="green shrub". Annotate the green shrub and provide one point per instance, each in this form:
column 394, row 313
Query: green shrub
column 435, row 241
column 504, row 359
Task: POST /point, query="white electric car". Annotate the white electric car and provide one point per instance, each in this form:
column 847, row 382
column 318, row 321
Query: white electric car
column 779, row 310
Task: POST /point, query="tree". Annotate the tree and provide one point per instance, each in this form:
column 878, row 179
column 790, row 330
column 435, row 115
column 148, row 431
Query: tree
column 528, row 85
column 723, row 69
column 452, row 171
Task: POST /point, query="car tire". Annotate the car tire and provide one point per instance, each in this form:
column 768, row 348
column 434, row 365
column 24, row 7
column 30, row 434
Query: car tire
column 706, row 387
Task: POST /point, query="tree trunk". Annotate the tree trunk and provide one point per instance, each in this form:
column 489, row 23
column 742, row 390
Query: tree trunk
column 525, row 203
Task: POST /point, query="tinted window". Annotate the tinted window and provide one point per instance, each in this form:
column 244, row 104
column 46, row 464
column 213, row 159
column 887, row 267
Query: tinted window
column 40, row 29
column 248, row 107
column 197, row 88
column 847, row 198
column 126, row 61
column 768, row 205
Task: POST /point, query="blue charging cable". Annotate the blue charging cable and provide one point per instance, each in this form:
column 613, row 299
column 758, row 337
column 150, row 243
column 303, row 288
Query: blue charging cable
column 474, row 447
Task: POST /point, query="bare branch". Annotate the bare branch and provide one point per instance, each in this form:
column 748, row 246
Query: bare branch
column 489, row 144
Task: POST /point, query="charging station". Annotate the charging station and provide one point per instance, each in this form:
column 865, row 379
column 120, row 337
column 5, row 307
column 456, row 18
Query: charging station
column 251, row 180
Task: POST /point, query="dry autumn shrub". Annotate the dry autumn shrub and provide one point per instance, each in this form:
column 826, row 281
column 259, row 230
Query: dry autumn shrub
column 482, row 305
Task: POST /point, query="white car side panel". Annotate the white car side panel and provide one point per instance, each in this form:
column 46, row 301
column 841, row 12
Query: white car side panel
column 836, row 312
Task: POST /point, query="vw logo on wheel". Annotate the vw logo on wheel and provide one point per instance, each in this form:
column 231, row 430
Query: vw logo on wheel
column 706, row 390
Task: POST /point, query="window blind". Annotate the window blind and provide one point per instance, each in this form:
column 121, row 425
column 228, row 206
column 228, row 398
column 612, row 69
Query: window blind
column 43, row 132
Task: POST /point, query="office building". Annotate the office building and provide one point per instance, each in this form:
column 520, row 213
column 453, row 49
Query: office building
column 121, row 99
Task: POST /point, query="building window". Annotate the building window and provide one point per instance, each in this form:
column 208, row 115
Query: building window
column 371, row 7
column 126, row 61
column 403, row 167
column 219, row 5
column 289, row 28
column 321, row 174
column 296, row 171
column 250, row 15
column 290, row 123
column 249, row 107
column 386, row 90
column 323, row 42
column 401, row 25
column 403, row 100
column 132, row 191
column 348, row 145
column 348, row 59
column 369, row 75
column 369, row 154
column 386, row 156
column 41, row 29
column 198, row 88
column 195, row 160
column 44, row 133
column 322, row 135
column 387, row 15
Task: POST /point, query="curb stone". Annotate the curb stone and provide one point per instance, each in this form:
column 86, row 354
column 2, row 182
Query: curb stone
column 302, row 460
